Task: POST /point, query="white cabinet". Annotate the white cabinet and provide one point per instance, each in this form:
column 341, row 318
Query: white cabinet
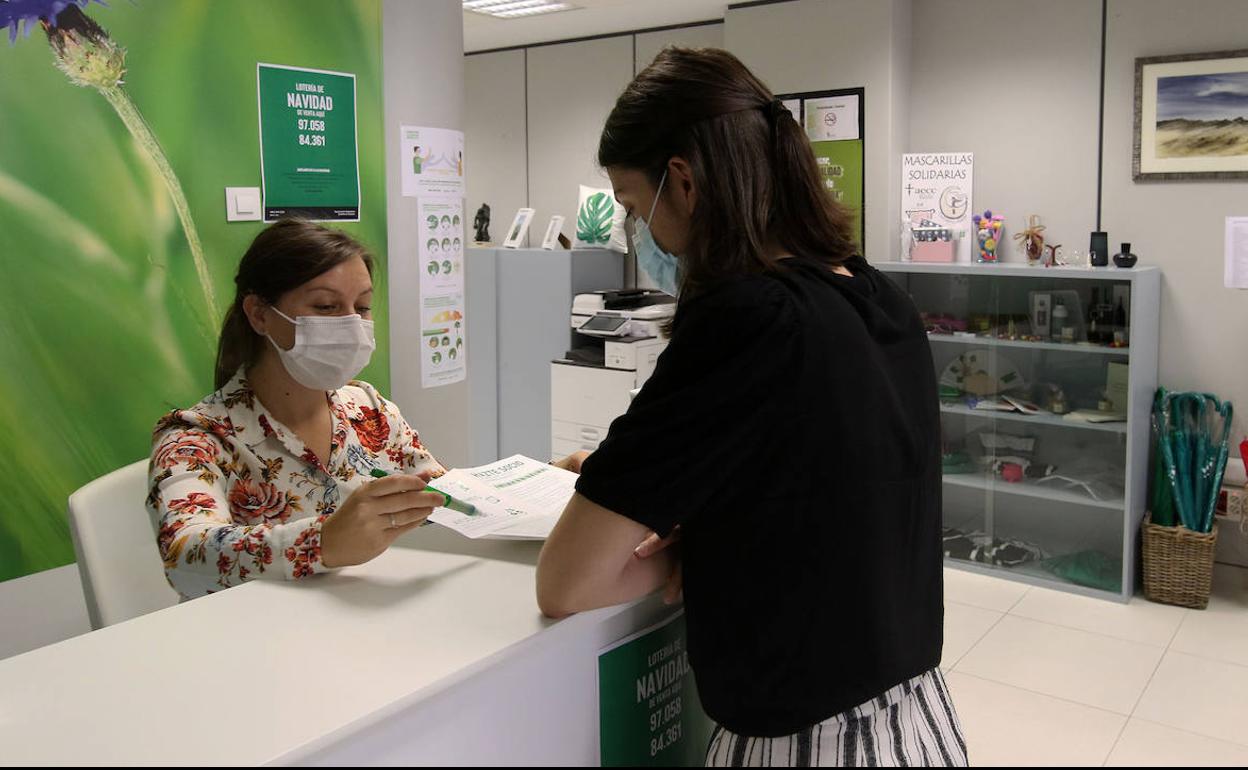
column 1051, row 493
column 583, row 402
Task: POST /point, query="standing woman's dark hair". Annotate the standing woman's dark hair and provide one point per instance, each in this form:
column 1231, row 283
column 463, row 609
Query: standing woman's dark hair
column 285, row 255
column 758, row 183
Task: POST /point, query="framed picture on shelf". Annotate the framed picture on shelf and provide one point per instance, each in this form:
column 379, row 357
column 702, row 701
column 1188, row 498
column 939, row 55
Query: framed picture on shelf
column 519, row 228
column 553, row 231
column 1191, row 117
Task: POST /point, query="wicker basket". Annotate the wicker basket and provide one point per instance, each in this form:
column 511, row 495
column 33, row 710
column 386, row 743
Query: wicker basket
column 1178, row 565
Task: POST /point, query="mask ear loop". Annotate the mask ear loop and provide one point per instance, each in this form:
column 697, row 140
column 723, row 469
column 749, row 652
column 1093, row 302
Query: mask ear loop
column 292, row 322
column 657, row 193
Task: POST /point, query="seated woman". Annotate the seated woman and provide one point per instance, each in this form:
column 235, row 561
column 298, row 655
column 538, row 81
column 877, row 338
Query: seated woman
column 269, row 477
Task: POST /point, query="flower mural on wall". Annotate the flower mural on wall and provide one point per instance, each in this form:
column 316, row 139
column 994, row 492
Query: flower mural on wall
column 91, row 59
column 104, row 315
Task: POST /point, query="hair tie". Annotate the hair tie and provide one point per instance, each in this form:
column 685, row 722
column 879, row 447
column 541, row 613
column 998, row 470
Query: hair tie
column 775, row 109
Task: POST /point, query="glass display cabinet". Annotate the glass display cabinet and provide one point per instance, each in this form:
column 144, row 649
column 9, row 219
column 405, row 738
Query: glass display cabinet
column 1046, row 383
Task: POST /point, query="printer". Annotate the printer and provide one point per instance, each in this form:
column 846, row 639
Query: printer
column 614, row 342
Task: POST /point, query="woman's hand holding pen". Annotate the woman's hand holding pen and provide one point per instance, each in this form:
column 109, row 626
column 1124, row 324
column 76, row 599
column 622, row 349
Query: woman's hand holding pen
column 374, row 516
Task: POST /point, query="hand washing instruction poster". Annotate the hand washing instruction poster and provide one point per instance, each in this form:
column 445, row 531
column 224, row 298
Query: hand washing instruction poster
column 938, row 186
column 649, row 713
column 441, row 258
column 309, row 165
column 431, row 161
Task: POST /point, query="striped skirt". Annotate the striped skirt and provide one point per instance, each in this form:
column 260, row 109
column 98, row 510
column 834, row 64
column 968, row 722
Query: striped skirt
column 914, row 723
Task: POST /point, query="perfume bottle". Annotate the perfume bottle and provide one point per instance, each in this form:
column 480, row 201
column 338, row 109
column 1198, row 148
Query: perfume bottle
column 1094, row 313
column 1098, row 251
column 1060, row 314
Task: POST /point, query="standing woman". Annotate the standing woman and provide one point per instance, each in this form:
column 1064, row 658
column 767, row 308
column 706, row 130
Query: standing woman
column 790, row 431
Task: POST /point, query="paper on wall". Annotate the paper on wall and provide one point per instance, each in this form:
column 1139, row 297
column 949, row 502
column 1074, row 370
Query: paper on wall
column 431, row 161
column 832, row 119
column 1236, row 253
column 443, row 330
column 939, row 186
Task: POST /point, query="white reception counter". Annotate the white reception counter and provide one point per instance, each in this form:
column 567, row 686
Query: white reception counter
column 434, row 653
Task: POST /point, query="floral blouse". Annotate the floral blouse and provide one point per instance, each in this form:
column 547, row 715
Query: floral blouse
column 236, row 496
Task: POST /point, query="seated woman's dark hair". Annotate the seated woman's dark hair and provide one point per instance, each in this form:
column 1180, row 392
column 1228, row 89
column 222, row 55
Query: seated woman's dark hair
column 284, row 256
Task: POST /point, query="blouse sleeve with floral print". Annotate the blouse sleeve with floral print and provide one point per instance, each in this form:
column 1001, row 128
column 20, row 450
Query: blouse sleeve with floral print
column 402, row 443
column 197, row 493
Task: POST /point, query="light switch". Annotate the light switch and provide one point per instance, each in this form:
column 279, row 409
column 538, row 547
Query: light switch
column 242, row 204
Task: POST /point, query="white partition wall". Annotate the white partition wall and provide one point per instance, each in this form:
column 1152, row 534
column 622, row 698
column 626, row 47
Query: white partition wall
column 572, row 88
column 535, row 291
column 648, row 44
column 496, row 139
column 424, row 86
column 1058, row 148
column 481, row 323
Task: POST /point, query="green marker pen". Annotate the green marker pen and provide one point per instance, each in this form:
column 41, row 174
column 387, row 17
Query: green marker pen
column 468, row 509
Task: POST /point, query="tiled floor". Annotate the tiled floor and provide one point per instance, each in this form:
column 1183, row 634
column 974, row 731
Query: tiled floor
column 1042, row 677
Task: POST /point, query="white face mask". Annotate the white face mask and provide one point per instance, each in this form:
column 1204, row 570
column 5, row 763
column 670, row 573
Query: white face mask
column 329, row 351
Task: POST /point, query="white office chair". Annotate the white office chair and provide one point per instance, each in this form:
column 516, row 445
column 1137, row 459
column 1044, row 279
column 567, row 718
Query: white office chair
column 122, row 575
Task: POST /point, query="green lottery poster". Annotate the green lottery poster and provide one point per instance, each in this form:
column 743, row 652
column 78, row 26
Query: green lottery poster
column 649, row 713
column 309, row 165
column 840, row 165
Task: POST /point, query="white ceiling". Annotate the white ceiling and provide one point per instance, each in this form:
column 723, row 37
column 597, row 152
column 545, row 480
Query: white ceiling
column 594, row 17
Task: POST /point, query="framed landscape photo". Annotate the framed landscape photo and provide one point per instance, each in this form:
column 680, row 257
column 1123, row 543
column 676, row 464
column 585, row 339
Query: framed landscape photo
column 519, row 229
column 1191, row 117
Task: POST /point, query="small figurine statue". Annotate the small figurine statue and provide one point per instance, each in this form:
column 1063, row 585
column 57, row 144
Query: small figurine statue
column 482, row 223
column 1053, row 256
column 1057, row 403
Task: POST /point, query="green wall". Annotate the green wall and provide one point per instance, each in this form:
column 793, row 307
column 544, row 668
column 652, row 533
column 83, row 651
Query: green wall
column 103, row 323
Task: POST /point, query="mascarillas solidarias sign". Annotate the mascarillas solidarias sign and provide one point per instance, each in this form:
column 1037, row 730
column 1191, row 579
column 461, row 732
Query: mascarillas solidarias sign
column 938, row 186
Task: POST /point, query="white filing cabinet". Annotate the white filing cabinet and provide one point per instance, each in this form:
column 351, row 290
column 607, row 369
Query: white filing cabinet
column 640, row 356
column 583, row 402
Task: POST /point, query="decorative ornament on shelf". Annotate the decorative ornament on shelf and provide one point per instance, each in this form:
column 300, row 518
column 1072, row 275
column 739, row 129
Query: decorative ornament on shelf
column 988, row 229
column 481, row 223
column 1125, row 258
column 1054, row 255
column 1032, row 240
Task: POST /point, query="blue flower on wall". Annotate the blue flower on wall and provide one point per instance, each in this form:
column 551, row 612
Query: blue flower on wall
column 89, row 57
column 33, row 12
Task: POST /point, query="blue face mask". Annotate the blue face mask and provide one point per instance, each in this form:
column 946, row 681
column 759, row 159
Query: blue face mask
column 658, row 264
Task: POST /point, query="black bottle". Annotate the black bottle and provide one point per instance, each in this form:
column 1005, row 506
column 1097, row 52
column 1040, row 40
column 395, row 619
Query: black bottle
column 1099, row 249
column 1094, row 311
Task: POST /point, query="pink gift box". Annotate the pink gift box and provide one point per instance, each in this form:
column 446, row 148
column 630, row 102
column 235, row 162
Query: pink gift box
column 932, row 251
